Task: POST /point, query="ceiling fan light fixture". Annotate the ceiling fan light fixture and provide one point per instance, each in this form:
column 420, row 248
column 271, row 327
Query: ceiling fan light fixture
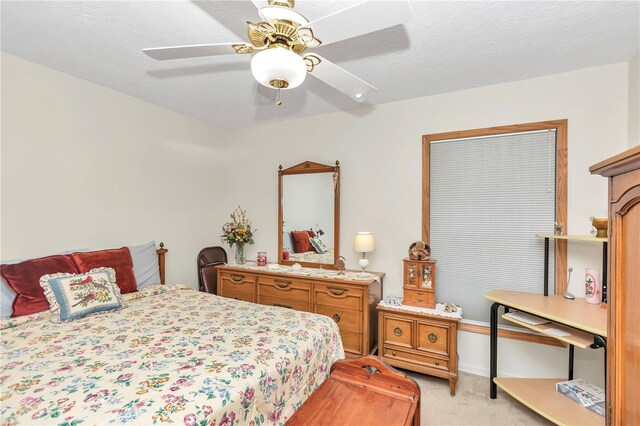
column 278, row 68
column 278, row 13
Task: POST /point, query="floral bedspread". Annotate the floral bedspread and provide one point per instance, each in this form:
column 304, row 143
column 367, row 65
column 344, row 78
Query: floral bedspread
column 172, row 355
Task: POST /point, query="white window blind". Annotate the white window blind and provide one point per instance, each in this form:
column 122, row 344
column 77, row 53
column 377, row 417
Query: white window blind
column 489, row 196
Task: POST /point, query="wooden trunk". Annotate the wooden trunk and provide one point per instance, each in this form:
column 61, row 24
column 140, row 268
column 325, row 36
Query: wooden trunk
column 363, row 391
column 623, row 346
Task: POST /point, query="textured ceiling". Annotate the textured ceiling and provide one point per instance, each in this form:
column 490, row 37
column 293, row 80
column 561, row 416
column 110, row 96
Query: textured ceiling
column 447, row 46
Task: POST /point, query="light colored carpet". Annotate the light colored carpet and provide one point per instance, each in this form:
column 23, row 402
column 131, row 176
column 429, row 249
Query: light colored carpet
column 471, row 405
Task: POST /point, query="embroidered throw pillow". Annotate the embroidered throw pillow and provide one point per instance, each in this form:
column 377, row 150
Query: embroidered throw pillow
column 73, row 296
column 318, row 245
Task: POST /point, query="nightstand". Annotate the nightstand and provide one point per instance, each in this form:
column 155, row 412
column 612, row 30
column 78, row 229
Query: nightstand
column 419, row 342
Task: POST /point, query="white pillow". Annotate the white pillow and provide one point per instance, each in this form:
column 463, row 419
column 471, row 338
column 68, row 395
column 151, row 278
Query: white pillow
column 145, row 264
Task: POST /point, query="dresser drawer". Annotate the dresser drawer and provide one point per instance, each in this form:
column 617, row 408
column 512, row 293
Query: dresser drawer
column 339, row 295
column 284, row 303
column 235, row 281
column 285, row 289
column 233, row 293
column 427, row 361
column 433, row 337
column 419, row 298
column 398, row 331
column 347, row 319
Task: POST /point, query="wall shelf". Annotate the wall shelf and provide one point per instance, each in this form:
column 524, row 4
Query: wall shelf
column 587, row 238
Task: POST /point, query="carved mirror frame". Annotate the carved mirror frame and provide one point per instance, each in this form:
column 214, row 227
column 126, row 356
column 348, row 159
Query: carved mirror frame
column 306, row 168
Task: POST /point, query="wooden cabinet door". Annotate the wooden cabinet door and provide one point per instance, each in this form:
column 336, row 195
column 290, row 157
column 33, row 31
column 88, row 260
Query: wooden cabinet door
column 623, row 358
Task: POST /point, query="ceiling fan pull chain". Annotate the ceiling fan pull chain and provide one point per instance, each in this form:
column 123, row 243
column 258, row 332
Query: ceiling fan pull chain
column 278, row 100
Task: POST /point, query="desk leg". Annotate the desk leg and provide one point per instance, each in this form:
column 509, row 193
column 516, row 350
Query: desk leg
column 494, row 350
column 546, row 266
column 571, row 353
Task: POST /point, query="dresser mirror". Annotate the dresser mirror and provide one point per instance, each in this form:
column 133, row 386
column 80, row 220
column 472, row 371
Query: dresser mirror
column 309, row 215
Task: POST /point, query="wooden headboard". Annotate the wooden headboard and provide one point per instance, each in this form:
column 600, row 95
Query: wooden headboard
column 161, row 252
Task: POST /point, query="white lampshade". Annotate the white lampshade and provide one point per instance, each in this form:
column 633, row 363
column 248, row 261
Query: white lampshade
column 364, row 242
column 278, row 64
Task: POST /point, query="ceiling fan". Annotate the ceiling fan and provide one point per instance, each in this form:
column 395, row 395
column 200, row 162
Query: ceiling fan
column 280, row 41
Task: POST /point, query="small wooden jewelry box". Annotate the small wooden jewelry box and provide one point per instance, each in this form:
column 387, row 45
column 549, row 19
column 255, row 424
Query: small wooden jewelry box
column 419, row 283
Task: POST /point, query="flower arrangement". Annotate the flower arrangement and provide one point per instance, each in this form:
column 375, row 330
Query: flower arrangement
column 238, row 231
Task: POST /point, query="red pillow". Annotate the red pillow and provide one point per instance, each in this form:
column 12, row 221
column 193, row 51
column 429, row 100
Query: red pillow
column 24, row 279
column 118, row 259
column 312, row 234
column 300, row 241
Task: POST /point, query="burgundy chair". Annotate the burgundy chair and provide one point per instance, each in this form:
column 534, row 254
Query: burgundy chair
column 208, row 258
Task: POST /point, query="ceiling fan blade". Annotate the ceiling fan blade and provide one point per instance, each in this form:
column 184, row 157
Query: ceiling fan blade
column 246, row 10
column 338, row 78
column 196, row 50
column 264, row 96
column 362, row 18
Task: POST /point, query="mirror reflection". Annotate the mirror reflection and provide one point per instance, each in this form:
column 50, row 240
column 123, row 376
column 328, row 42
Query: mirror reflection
column 308, row 227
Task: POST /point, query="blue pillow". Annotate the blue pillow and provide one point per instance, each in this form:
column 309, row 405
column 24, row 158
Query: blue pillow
column 7, row 295
column 318, row 245
column 73, row 296
column 145, row 264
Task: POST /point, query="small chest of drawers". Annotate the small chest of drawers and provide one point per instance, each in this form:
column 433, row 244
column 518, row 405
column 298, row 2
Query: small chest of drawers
column 419, row 342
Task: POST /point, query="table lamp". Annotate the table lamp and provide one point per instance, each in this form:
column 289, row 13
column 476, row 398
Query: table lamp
column 364, row 244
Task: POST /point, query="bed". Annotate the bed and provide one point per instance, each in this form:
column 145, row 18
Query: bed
column 312, row 256
column 172, row 355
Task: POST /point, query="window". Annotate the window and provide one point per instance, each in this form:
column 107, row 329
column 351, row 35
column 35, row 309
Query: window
column 486, row 194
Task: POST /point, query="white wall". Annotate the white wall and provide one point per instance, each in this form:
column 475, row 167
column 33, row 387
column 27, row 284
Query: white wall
column 87, row 167
column 379, row 149
column 634, row 101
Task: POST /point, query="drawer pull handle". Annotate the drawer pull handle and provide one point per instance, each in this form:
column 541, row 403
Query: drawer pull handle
column 432, row 338
column 282, row 284
column 237, row 278
column 437, row 362
column 393, row 353
column 282, row 306
column 397, row 331
column 336, row 317
column 337, row 291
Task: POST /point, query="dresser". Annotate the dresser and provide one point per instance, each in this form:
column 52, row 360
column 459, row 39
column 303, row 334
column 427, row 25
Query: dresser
column 623, row 328
column 348, row 299
column 420, row 342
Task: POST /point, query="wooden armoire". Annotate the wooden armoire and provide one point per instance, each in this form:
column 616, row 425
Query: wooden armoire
column 623, row 341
